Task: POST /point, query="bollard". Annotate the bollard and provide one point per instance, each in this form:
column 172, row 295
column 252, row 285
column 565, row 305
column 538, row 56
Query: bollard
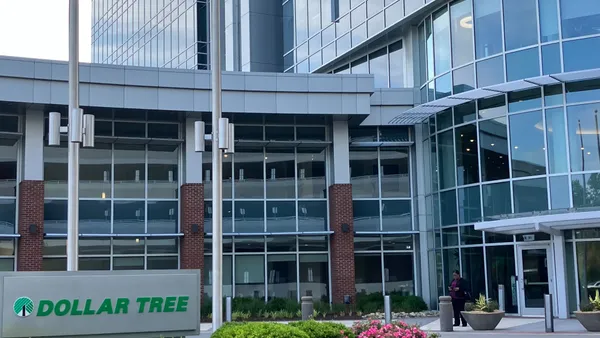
column 228, row 309
column 548, row 313
column 387, row 308
column 446, row 314
column 307, row 307
column 501, row 298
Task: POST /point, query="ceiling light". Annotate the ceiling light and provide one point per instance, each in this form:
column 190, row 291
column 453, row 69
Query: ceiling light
column 472, row 140
column 492, row 144
column 467, row 22
column 468, row 149
column 516, row 147
column 589, row 153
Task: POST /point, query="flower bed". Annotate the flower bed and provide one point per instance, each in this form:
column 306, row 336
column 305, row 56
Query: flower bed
column 378, row 329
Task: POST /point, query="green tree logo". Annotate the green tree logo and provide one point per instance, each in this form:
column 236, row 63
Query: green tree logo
column 23, row 306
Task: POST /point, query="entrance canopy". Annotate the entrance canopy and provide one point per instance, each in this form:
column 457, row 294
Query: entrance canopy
column 551, row 224
column 418, row 114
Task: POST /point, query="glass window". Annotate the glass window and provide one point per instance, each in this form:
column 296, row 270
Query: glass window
column 464, row 113
column 227, row 276
column 443, row 86
column 366, row 215
column 464, row 79
column 162, row 217
column 589, row 274
column 249, row 216
column 519, row 28
column 364, row 173
column 467, row 163
column 548, row 20
column 95, row 172
column 581, row 54
column 301, row 21
column 522, row 64
column 312, row 215
column 313, row 243
column 55, row 217
column 280, row 173
column 396, row 215
column 94, row 263
column 95, row 217
column 441, row 34
column 584, row 131
column 527, row 144
column 469, row 205
column 8, row 215
column 130, row 171
column 493, row 143
column 314, row 277
column 446, row 159
column 249, row 173
column 473, row 269
column 163, row 130
column 524, row 100
column 398, row 269
column 396, row 65
column 557, row 142
column 368, row 273
column 579, row 17
column 281, row 271
column 496, row 200
column 281, row 216
column 444, row 119
column 492, row 107
column 163, row 175
column 429, row 47
column 488, row 27
column 288, row 26
column 55, row 171
column 582, row 91
column 530, row 195
column 280, row 244
column 395, row 178
column 128, row 263
column 462, row 32
column 279, row 133
column 129, row 217
column 551, row 63
column 559, row 192
column 490, row 72
column 311, row 173
column 586, row 190
column 378, row 67
column 367, row 243
column 162, row 263
column 501, row 270
column 448, row 207
column 553, row 95
column 470, row 236
column 314, row 16
column 250, row 276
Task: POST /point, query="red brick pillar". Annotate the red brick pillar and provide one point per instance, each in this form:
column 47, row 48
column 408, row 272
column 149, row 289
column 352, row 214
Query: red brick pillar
column 342, row 242
column 192, row 216
column 31, row 212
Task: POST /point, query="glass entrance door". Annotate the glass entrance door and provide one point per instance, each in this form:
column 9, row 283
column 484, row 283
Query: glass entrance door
column 535, row 278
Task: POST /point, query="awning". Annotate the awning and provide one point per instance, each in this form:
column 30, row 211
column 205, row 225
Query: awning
column 420, row 113
column 551, row 224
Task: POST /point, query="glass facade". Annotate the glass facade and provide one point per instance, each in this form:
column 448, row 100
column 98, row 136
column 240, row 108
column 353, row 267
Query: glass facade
column 10, row 152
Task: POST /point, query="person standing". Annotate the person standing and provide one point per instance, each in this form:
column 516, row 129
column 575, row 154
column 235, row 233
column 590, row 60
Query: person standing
column 459, row 292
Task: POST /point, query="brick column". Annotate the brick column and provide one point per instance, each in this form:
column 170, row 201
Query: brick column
column 342, row 243
column 31, row 212
column 192, row 243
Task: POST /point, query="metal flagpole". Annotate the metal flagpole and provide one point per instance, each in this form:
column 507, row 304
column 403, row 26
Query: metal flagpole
column 217, row 184
column 75, row 117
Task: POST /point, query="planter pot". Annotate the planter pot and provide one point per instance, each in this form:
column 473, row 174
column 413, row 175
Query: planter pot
column 589, row 320
column 483, row 321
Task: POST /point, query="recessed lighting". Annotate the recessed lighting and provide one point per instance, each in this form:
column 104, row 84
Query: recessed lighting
column 582, row 148
column 492, row 144
column 472, row 140
column 589, row 153
column 468, row 149
column 516, row 147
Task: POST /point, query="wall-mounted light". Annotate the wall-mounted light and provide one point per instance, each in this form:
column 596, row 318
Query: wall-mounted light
column 32, row 228
column 345, row 228
column 195, row 228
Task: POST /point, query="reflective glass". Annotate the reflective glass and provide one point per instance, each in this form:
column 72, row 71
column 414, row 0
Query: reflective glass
column 128, row 246
column 314, row 16
column 464, row 112
column 443, row 86
column 582, row 91
column 248, row 173
column 488, row 27
column 519, row 28
column 378, row 67
column 313, row 243
column 473, row 269
column 367, row 243
column 368, row 273
column 364, row 173
column 312, row 215
column 311, row 173
column 366, row 215
column 585, row 190
column 429, row 46
column 8, row 168
column 493, row 143
column 584, row 130
column 467, row 163
column 396, row 215
column 281, row 244
column 582, row 54
column 527, row 144
column 441, row 35
column 227, row 276
column 398, row 271
column 55, row 216
column 250, row 276
column 522, row 64
column 301, row 21
column 524, row 100
column 462, row 32
column 548, row 20
column 288, row 26
column 556, row 140
column 470, row 236
column 559, row 192
column 94, row 217
column 496, row 200
column 128, row 263
column 253, row 244
column 530, row 195
column 162, row 263
column 280, row 173
column 8, row 214
column 490, row 72
column 395, row 177
column 281, row 270
column 163, row 176
column 448, row 207
column 422, row 55
column 249, row 216
column 281, row 216
column 553, row 95
column 463, row 79
column 130, row 171
column 95, row 171
column 162, row 217
column 444, row 119
column 501, row 270
column 314, row 276
column 446, row 159
column 579, row 17
column 94, row 263
column 129, row 217
column 396, row 65
column 469, row 205
column 551, row 63
column 162, row 246
column 55, row 172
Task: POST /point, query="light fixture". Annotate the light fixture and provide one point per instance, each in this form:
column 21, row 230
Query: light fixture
column 103, row 195
column 472, row 140
column 589, row 153
column 466, row 22
column 137, row 240
column 582, row 148
column 492, row 144
column 516, row 147
column 468, row 149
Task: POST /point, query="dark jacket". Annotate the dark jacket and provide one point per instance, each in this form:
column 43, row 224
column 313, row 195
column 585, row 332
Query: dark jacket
column 463, row 289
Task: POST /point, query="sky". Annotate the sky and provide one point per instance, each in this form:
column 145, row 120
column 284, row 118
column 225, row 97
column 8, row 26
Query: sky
column 40, row 29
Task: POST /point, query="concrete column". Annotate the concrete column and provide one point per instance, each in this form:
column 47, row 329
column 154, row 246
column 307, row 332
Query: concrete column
column 560, row 277
column 193, row 160
column 421, row 218
column 341, row 153
column 33, row 165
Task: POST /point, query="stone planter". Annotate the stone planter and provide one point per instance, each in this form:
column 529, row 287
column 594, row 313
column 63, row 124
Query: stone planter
column 589, row 320
column 483, row 321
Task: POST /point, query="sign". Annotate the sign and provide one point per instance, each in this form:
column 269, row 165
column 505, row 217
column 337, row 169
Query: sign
column 92, row 303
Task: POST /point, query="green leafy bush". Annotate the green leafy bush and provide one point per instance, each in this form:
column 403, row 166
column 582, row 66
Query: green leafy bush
column 259, row 330
column 316, row 329
column 594, row 304
column 401, row 302
column 482, row 304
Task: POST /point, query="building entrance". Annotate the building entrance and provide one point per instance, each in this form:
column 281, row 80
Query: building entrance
column 535, row 278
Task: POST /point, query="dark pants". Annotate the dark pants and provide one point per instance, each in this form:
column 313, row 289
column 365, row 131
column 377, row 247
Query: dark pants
column 458, row 305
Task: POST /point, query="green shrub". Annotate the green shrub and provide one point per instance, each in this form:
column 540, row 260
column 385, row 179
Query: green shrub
column 316, row 329
column 413, row 304
column 259, row 330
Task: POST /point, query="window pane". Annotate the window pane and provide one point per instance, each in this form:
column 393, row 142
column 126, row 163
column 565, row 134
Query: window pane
column 128, row 263
column 398, row 272
column 582, row 91
column 281, row 216
column 464, row 79
column 248, row 173
column 467, row 163
column 557, row 143
column 94, row 263
column 130, row 171
column 227, row 276
column 281, row 270
column 364, row 173
column 519, row 28
column 446, row 159
column 494, row 149
column 162, row 217
column 55, row 217
column 311, row 173
column 553, row 95
column 496, row 200
column 586, row 190
column 464, row 113
column 551, row 63
column 490, row 72
column 579, row 54
column 314, row 277
column 583, row 133
column 448, row 207
column 501, row 270
column 95, row 171
column 312, row 216
column 94, row 217
column 249, row 216
column 522, row 64
column 163, row 176
column 378, row 67
column 162, row 263
column 579, row 18
column 368, row 273
column 441, row 35
column 250, row 276
column 473, row 269
column 395, row 178
column 527, row 144
column 559, row 192
column 8, row 214
column 313, row 243
column 470, row 236
column 129, row 217
column 249, row 244
column 429, row 48
column 444, row 119
column 548, row 20
column 469, row 205
column 530, row 195
column 55, row 171
column 396, row 215
column 524, row 100
column 280, row 243
column 162, row 245
column 280, row 173
column 279, row 133
column 366, row 215
column 396, row 64
column 443, row 86
column 54, row 264
column 462, row 38
column 488, row 27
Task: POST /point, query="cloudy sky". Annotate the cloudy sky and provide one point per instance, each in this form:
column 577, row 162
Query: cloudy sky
column 40, row 29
